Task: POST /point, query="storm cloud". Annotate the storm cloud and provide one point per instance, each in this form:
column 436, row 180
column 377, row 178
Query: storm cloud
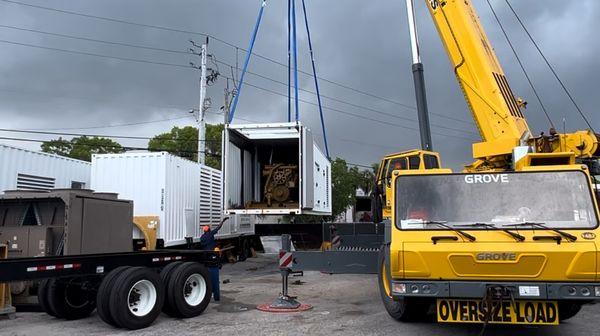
column 360, row 44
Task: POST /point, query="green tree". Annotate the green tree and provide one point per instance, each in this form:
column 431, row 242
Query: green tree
column 82, row 147
column 213, row 145
column 59, row 146
column 345, row 180
column 183, row 142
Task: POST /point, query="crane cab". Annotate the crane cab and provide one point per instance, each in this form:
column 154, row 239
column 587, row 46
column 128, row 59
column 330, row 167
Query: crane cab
column 413, row 160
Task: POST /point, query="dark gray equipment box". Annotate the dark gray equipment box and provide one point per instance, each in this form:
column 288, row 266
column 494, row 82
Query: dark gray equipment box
column 65, row 222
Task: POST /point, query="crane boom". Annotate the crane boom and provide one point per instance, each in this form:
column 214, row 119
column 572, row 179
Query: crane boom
column 497, row 112
column 495, row 109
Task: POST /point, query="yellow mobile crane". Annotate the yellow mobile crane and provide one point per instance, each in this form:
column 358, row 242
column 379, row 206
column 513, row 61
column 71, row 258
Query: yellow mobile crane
column 513, row 238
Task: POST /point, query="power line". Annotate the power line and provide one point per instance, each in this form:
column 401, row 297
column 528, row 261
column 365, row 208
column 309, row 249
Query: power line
column 122, row 44
column 231, row 66
column 357, row 115
column 539, row 99
column 170, row 29
column 355, row 105
column 96, row 55
column 249, row 84
column 115, row 146
column 111, row 126
column 97, row 135
column 550, row 67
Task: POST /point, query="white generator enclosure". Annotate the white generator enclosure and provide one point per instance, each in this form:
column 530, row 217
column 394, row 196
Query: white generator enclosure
column 211, row 211
column 159, row 184
column 23, row 169
column 185, row 195
column 274, row 169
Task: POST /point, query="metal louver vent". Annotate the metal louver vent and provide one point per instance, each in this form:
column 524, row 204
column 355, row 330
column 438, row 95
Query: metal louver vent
column 36, row 183
column 508, row 95
column 210, row 196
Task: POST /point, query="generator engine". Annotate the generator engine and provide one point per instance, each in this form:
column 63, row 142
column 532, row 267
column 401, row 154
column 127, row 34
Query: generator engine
column 280, row 179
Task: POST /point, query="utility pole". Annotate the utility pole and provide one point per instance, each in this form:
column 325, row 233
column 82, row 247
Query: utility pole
column 419, row 79
column 202, row 105
column 227, row 104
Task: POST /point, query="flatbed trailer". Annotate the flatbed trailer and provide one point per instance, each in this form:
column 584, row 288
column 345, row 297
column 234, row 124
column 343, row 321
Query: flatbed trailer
column 129, row 290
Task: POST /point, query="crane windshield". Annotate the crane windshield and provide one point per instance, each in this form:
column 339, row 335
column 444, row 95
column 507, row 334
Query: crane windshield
column 556, row 199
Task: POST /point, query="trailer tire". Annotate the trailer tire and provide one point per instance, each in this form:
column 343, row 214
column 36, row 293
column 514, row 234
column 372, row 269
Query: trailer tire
column 405, row 309
column 244, row 250
column 567, row 310
column 136, row 298
column 189, row 290
column 165, row 275
column 104, row 294
column 68, row 298
column 43, row 297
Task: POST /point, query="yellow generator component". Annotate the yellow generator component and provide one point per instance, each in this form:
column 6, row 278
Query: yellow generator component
column 148, row 226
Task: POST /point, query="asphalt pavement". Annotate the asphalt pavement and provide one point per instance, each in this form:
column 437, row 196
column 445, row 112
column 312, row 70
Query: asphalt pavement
column 342, row 305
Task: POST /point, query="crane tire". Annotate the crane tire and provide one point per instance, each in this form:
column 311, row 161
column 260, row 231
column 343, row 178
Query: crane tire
column 403, row 309
column 567, row 310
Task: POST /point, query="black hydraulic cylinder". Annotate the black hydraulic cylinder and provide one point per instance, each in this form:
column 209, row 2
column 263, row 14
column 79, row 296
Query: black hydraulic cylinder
column 424, row 126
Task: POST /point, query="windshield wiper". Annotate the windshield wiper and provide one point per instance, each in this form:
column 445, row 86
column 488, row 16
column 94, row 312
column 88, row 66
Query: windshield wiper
column 515, row 235
column 471, row 238
column 566, row 235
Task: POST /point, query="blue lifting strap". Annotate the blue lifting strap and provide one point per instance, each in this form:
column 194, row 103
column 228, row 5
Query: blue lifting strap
column 249, row 53
column 314, row 69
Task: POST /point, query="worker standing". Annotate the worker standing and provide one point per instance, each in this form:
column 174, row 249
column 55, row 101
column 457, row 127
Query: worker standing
column 208, row 242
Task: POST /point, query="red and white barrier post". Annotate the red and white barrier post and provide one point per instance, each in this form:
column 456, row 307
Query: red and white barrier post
column 285, row 302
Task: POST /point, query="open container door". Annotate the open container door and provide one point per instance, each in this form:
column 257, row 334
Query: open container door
column 269, row 169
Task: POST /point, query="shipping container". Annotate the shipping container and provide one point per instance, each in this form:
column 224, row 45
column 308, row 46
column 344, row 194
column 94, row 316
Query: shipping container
column 183, row 194
column 23, row 169
column 274, row 169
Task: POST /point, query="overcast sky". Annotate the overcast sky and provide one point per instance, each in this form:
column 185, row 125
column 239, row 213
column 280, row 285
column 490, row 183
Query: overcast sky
column 363, row 45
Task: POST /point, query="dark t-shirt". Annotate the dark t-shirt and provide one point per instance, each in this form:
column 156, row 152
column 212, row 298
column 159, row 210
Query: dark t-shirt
column 207, row 241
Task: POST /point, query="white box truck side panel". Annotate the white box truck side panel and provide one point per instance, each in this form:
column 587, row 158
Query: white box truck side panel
column 25, row 169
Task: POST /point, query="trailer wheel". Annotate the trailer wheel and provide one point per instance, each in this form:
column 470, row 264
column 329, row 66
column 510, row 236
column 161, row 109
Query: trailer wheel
column 189, row 290
column 405, row 309
column 165, row 275
column 137, row 298
column 104, row 294
column 70, row 299
column 244, row 250
column 43, row 297
column 567, row 310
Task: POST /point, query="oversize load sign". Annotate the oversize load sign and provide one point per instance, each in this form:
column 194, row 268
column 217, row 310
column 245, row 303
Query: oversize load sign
column 507, row 312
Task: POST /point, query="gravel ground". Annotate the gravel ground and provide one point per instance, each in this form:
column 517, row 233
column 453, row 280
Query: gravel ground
column 343, row 304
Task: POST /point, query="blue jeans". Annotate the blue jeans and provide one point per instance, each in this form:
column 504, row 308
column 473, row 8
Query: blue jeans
column 214, row 279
